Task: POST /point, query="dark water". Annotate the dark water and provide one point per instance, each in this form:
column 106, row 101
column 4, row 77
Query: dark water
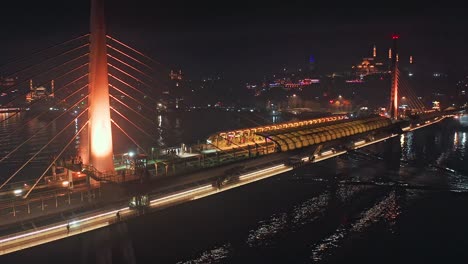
column 402, row 201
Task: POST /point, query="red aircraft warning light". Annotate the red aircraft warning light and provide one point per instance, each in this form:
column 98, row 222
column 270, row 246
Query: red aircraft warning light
column 395, row 37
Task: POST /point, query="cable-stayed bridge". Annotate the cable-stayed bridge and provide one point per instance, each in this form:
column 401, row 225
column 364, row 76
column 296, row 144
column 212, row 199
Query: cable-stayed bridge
column 83, row 87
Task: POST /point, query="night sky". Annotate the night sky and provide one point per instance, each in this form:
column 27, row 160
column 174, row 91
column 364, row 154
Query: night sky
column 245, row 41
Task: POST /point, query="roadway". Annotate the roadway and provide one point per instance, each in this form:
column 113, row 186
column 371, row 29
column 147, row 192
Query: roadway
column 45, row 203
column 97, row 220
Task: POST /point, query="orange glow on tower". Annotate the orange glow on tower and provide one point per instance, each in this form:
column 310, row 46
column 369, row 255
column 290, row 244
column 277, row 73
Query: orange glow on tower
column 390, row 53
column 374, row 51
column 411, row 59
column 394, row 89
column 395, row 94
column 100, row 132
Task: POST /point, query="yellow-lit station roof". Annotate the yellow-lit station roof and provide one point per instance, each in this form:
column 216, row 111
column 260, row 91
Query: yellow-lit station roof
column 302, row 136
column 280, row 126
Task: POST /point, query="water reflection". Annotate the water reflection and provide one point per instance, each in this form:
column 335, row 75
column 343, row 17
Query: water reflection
column 275, row 119
column 310, row 210
column 262, row 236
column 385, row 210
column 301, row 215
column 10, row 119
column 214, row 255
column 322, row 249
column 407, row 149
column 463, row 141
column 347, row 192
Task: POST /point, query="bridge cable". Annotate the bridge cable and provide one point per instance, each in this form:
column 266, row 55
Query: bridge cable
column 40, row 150
column 46, row 60
column 134, row 50
column 55, row 159
column 43, row 98
column 54, row 68
column 128, row 56
column 129, row 75
column 156, row 82
column 37, row 131
column 40, row 114
column 152, row 69
column 38, row 52
column 113, row 97
column 131, row 86
column 135, row 125
column 125, row 133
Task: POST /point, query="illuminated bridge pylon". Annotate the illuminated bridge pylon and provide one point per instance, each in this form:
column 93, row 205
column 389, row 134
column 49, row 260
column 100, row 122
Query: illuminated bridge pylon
column 98, row 87
column 394, row 87
column 100, row 151
column 404, row 101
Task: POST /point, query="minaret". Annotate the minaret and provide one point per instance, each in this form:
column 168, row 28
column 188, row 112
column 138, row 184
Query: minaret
column 411, row 59
column 100, row 133
column 374, row 51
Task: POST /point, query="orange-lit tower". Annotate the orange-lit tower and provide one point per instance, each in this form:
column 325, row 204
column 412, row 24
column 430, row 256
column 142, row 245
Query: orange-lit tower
column 100, row 133
column 394, row 88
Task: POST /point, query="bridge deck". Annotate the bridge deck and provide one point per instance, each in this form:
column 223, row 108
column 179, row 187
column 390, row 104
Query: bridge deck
column 170, row 190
